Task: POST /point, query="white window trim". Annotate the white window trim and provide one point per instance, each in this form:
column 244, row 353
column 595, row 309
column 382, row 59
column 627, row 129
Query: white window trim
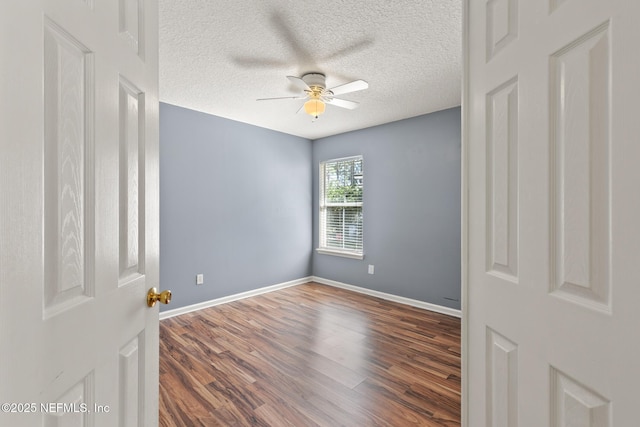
column 336, row 252
column 327, row 250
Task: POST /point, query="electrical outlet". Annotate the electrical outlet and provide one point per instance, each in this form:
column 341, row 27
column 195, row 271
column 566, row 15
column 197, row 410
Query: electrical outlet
column 199, row 279
column 370, row 271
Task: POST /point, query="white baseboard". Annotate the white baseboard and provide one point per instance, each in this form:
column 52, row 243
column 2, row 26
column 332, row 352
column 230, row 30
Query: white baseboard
column 402, row 300
column 230, row 298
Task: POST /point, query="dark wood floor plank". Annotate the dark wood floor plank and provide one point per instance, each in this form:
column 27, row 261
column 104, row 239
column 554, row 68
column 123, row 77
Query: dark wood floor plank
column 310, row 355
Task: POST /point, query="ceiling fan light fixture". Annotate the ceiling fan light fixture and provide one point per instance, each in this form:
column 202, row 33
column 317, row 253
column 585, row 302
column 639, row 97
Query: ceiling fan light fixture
column 314, row 107
column 316, row 94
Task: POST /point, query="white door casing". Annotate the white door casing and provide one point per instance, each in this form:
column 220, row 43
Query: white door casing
column 78, row 212
column 551, row 216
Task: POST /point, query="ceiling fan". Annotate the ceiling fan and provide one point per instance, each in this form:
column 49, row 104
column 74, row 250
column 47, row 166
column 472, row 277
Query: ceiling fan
column 317, row 95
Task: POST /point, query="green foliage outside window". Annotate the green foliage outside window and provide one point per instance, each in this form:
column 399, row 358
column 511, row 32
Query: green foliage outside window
column 344, row 194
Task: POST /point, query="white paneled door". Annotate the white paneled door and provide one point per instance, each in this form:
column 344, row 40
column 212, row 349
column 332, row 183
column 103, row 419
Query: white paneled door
column 78, row 213
column 552, row 146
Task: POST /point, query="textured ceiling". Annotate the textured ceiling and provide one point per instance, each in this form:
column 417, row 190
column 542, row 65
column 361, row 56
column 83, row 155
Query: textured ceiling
column 219, row 56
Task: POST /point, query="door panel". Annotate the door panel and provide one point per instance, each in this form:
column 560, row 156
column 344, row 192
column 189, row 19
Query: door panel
column 79, row 213
column 131, row 123
column 68, row 171
column 552, row 148
column 580, row 167
column 502, row 181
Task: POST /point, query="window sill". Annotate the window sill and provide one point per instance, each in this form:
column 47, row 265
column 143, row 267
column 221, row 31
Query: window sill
column 335, row 252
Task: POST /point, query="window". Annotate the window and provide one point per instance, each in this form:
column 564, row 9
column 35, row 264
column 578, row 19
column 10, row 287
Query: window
column 341, row 207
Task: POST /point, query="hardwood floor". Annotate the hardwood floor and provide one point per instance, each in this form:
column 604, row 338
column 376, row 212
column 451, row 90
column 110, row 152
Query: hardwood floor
column 310, row 355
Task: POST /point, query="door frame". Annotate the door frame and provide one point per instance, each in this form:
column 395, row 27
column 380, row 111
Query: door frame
column 464, row 215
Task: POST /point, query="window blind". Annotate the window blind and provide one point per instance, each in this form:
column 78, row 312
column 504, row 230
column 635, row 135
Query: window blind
column 341, row 185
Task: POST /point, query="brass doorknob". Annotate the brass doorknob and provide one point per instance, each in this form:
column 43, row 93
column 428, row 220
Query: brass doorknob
column 153, row 297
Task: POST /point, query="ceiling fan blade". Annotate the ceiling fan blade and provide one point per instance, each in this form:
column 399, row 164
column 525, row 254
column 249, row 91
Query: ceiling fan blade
column 350, row 87
column 299, row 82
column 343, row 103
column 282, row 97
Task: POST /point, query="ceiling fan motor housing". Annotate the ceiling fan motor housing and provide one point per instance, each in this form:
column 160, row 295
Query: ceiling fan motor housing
column 315, row 79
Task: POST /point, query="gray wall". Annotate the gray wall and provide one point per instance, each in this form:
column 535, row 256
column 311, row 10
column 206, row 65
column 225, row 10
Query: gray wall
column 411, row 209
column 235, row 205
column 238, row 203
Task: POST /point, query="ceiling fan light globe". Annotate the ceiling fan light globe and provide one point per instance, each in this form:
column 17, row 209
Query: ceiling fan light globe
column 314, row 107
